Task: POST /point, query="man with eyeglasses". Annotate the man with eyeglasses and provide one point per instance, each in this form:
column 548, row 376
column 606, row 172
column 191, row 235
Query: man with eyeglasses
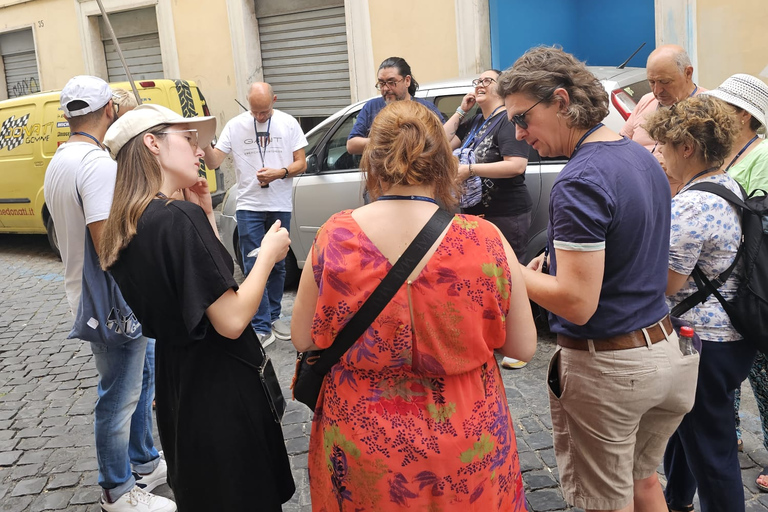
column 268, row 150
column 79, row 185
column 396, row 83
column 670, row 75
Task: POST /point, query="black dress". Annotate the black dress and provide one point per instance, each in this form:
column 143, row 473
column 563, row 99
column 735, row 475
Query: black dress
column 224, row 449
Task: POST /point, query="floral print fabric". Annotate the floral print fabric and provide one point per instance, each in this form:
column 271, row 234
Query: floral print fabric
column 706, row 231
column 414, row 416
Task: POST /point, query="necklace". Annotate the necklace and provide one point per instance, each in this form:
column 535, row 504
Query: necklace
column 94, row 139
column 583, row 137
column 393, row 197
column 753, row 139
column 699, row 175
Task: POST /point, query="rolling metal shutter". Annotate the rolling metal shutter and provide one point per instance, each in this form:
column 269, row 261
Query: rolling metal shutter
column 20, row 63
column 138, row 37
column 304, row 58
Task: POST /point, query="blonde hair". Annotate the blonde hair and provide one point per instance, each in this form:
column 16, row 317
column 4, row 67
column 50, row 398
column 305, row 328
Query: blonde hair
column 704, row 122
column 123, row 101
column 139, row 178
column 408, row 147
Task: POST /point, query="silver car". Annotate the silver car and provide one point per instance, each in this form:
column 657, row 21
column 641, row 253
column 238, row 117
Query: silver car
column 333, row 180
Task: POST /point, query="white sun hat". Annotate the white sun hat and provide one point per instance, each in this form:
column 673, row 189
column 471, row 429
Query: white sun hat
column 746, row 92
column 146, row 116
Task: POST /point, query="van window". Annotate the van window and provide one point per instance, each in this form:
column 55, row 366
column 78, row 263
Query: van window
column 336, row 156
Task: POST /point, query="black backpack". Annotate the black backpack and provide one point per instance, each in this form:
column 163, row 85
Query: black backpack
column 748, row 310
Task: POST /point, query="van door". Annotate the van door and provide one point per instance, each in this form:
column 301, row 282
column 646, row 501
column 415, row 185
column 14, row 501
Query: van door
column 22, row 167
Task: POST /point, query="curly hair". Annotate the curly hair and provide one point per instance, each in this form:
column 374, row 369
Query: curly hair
column 408, row 147
column 541, row 70
column 704, row 122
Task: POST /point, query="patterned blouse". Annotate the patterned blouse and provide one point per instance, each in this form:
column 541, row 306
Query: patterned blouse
column 706, row 231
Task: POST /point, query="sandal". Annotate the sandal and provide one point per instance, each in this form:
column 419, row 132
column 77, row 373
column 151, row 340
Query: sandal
column 760, row 486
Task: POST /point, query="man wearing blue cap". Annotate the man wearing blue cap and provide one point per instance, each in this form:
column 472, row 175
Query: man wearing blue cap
column 79, row 185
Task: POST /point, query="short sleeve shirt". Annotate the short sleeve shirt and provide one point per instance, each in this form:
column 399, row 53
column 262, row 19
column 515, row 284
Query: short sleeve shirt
column 85, row 168
column 275, row 140
column 752, row 171
column 372, row 108
column 614, row 196
column 502, row 196
column 706, row 231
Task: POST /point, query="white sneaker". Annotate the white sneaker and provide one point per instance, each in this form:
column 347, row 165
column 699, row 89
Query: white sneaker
column 137, row 500
column 151, row 480
column 281, row 329
column 512, row 363
column 266, row 339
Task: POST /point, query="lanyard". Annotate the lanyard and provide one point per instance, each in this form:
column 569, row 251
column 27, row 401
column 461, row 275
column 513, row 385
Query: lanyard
column 99, row 143
column 699, row 175
column 263, row 153
column 474, row 132
column 753, row 139
column 583, row 137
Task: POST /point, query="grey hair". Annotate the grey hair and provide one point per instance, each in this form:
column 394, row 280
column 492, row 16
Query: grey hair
column 124, row 99
column 683, row 61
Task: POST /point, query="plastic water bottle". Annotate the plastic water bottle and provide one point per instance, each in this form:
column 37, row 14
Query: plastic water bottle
column 686, row 340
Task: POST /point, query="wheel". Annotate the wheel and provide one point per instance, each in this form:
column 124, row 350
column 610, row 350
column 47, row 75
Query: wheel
column 292, row 272
column 53, row 240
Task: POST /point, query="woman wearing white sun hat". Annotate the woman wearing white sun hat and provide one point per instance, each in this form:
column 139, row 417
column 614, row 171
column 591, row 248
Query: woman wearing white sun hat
column 748, row 164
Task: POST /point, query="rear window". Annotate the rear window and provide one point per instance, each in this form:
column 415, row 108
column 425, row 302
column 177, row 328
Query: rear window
column 634, row 92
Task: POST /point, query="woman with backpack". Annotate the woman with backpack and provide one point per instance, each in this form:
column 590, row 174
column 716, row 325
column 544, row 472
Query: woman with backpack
column 695, row 137
column 748, row 165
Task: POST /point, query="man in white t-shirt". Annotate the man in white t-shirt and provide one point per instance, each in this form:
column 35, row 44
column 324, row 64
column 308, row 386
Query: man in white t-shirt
column 268, row 149
column 79, row 185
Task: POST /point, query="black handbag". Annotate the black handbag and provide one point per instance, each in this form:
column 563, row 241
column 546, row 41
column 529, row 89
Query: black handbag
column 313, row 365
column 268, row 378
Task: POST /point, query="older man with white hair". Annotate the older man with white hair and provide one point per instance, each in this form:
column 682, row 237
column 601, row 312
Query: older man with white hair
column 670, row 75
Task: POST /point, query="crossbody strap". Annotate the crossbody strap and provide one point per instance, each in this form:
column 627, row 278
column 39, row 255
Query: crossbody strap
column 707, row 287
column 384, row 292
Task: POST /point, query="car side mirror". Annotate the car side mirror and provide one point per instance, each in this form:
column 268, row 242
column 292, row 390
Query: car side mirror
column 312, row 167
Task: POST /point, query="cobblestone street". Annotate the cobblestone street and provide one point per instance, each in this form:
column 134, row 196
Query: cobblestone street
column 48, row 391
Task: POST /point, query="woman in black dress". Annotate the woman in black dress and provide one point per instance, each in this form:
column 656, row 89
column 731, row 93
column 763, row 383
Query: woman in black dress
column 224, row 449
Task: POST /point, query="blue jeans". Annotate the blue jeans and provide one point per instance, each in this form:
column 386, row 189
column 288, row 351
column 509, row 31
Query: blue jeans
column 251, row 227
column 123, row 413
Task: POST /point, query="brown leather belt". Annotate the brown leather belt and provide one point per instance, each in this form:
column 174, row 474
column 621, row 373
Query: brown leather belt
column 632, row 339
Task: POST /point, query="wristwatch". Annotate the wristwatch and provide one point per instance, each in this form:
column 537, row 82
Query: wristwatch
column 286, row 172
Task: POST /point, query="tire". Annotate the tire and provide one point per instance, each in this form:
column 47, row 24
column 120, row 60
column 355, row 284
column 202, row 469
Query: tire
column 292, row 272
column 53, row 240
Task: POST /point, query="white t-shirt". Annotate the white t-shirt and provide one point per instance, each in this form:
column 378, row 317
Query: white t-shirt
column 239, row 137
column 91, row 169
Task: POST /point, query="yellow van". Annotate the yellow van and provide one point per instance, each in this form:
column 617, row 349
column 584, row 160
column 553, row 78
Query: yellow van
column 32, row 127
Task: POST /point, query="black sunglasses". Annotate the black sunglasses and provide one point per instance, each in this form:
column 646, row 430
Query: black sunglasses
column 519, row 119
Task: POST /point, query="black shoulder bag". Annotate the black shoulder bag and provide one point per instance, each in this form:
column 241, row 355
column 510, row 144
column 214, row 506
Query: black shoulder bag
column 313, row 365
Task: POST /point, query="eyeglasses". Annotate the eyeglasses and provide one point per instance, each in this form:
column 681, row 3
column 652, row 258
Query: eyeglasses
column 519, row 119
column 389, row 84
column 192, row 138
column 484, row 81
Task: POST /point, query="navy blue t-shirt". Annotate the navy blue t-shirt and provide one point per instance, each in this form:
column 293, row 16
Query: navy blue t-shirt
column 371, row 109
column 615, row 196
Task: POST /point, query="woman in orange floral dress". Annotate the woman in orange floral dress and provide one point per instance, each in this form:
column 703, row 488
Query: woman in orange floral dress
column 414, row 415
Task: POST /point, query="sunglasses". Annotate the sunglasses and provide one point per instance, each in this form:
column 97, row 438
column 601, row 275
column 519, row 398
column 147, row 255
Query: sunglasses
column 519, row 119
column 192, row 138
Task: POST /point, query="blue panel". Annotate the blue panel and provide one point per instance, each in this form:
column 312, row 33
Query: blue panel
column 602, row 32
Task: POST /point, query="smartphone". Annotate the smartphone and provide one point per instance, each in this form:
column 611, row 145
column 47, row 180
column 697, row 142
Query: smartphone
column 553, row 379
